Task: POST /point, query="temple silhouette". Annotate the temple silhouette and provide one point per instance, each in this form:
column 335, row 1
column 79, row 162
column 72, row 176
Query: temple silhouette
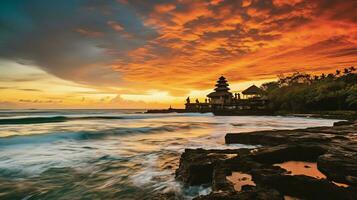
column 222, row 101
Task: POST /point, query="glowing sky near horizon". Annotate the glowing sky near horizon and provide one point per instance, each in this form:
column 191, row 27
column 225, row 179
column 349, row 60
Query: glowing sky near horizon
column 154, row 53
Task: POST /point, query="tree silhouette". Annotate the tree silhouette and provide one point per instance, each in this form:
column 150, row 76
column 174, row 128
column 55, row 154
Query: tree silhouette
column 330, row 76
column 338, row 72
column 346, row 71
column 300, row 92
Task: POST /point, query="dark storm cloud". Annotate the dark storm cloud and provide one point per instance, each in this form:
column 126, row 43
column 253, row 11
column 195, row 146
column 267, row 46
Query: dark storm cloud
column 70, row 39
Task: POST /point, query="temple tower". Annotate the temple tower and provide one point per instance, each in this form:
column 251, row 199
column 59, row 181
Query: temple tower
column 221, row 95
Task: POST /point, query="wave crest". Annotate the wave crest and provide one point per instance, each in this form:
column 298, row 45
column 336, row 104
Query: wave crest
column 86, row 135
column 58, row 119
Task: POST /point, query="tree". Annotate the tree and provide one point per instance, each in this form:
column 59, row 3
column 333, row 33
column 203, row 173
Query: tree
column 352, row 97
column 338, row 72
column 299, row 92
column 270, row 86
column 330, row 76
column 346, row 71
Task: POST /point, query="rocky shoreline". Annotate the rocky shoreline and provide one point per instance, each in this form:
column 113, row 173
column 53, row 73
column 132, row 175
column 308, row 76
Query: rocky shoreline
column 332, row 150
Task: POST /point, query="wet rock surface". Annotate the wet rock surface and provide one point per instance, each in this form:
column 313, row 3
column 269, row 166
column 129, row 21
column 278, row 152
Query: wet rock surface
column 334, row 149
column 250, row 193
column 197, row 165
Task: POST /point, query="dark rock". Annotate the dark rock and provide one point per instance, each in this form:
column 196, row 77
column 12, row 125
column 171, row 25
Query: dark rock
column 255, row 138
column 220, row 182
column 253, row 193
column 351, row 179
column 196, row 166
column 343, row 123
column 339, row 166
column 247, row 187
column 309, row 188
column 277, row 137
column 333, row 148
column 163, row 196
column 282, row 153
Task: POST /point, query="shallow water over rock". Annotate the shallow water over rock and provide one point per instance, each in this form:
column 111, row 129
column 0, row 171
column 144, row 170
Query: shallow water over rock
column 302, row 168
column 305, row 168
column 239, row 179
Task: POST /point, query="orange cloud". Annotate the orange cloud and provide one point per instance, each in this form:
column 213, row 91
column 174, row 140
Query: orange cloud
column 163, row 8
column 246, row 3
column 286, row 2
column 249, row 42
column 115, row 25
column 88, row 32
column 216, row 2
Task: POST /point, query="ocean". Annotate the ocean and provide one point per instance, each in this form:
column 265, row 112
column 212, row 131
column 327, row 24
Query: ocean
column 112, row 154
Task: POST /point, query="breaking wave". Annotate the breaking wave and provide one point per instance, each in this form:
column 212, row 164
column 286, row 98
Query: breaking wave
column 40, row 120
column 32, row 120
column 57, row 119
column 87, row 135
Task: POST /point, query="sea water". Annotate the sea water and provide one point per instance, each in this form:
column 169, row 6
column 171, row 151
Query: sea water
column 112, row 154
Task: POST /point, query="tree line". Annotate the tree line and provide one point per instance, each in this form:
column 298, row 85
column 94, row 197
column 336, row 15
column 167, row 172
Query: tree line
column 303, row 92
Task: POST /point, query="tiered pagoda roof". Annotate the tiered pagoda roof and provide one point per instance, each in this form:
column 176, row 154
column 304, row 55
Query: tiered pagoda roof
column 221, row 89
column 222, row 84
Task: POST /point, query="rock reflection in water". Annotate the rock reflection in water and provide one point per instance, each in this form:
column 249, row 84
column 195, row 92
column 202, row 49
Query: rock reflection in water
column 302, row 168
column 286, row 197
column 305, row 168
column 240, row 179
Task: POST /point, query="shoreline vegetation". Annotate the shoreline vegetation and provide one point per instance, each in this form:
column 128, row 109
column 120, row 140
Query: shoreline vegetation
column 302, row 92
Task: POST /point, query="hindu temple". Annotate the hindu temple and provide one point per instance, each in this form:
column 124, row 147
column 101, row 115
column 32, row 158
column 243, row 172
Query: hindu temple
column 222, row 101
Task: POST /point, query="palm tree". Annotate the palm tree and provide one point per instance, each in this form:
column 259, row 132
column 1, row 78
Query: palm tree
column 346, row 71
column 330, row 75
column 338, row 72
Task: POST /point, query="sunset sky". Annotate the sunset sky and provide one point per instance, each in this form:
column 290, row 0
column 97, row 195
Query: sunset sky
column 152, row 54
